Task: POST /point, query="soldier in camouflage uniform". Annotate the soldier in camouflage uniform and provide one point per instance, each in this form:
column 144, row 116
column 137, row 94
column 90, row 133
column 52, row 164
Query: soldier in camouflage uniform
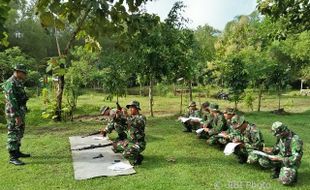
column 15, row 109
column 193, row 112
column 227, row 136
column 250, row 138
column 133, row 147
column 217, row 125
column 206, row 120
column 288, row 150
column 117, row 122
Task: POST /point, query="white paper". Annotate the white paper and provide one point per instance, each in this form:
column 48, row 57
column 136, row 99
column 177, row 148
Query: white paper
column 230, row 148
column 184, row 119
column 263, row 154
column 198, row 131
column 120, row 166
column 195, row 118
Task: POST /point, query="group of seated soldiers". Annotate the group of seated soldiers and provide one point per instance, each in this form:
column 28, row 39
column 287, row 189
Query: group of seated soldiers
column 130, row 129
column 221, row 128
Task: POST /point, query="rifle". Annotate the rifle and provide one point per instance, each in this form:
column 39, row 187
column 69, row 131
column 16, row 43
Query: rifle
column 91, row 134
column 92, row 147
column 118, row 106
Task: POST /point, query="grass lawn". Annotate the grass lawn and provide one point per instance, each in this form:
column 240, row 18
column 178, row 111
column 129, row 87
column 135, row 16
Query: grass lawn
column 196, row 165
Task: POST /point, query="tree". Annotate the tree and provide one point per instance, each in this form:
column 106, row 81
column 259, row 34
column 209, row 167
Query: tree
column 4, row 9
column 92, row 18
column 236, row 78
column 294, row 15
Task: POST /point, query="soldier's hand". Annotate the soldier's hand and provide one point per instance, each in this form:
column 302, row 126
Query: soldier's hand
column 275, row 158
column 104, row 133
column 206, row 129
column 267, row 149
column 18, row 121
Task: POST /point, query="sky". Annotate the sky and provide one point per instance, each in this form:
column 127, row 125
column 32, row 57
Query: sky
column 216, row 13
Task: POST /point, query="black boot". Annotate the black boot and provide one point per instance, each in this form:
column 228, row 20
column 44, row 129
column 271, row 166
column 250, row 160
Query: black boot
column 138, row 160
column 22, row 155
column 14, row 159
column 275, row 173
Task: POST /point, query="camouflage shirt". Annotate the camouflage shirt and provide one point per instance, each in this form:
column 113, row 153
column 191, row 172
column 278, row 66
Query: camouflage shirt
column 252, row 137
column 117, row 122
column 193, row 113
column 137, row 126
column 290, row 148
column 218, row 124
column 16, row 97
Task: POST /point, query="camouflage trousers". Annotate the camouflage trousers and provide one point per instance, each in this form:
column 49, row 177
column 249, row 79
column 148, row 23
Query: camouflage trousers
column 190, row 127
column 130, row 150
column 246, row 155
column 214, row 139
column 203, row 135
column 15, row 133
column 287, row 174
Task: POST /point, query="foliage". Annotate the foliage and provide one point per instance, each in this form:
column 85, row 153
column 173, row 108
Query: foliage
column 235, row 78
column 294, row 15
column 4, row 9
column 249, row 98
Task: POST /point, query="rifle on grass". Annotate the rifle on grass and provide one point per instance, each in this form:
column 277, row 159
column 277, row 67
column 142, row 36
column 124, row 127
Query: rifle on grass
column 93, row 146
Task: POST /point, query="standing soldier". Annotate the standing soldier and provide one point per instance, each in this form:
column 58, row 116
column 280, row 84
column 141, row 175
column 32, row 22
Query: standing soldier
column 133, row 147
column 250, row 138
column 15, row 109
column 288, row 150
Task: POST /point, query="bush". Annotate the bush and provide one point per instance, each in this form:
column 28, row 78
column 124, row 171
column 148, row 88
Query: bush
column 2, row 105
column 249, row 98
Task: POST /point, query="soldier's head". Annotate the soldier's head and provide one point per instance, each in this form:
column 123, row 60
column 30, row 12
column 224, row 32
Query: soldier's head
column 192, row 105
column 205, row 106
column 238, row 122
column 229, row 113
column 20, row 71
column 279, row 129
column 105, row 110
column 214, row 109
column 134, row 107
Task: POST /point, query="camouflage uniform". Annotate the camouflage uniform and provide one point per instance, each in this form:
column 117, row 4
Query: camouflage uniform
column 217, row 125
column 251, row 138
column 289, row 148
column 118, row 122
column 192, row 113
column 15, row 106
column 136, row 142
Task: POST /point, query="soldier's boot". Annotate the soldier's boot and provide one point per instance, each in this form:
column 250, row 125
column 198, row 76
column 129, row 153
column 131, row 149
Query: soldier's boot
column 242, row 159
column 22, row 155
column 275, row 173
column 138, row 160
column 188, row 128
column 14, row 159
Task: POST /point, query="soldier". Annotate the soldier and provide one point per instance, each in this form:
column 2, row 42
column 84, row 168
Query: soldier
column 206, row 120
column 250, row 138
column 117, row 122
column 133, row 147
column 15, row 109
column 217, row 125
column 227, row 136
column 192, row 112
column 288, row 150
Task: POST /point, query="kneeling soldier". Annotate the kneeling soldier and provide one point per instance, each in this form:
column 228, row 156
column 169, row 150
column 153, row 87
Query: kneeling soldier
column 288, row 150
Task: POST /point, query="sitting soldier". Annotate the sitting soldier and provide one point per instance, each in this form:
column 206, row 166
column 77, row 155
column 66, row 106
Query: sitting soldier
column 227, row 136
column 192, row 112
column 288, row 152
column 250, row 138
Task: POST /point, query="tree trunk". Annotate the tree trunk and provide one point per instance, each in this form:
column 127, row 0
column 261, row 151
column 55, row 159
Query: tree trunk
column 174, row 89
column 279, row 97
column 151, row 97
column 260, row 95
column 60, row 89
column 181, row 105
column 140, row 88
column 236, row 105
column 190, row 90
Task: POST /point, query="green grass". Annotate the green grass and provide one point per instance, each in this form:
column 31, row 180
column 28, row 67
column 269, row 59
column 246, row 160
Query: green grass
column 197, row 165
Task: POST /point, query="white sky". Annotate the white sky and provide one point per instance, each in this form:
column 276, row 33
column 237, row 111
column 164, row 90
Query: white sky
column 213, row 12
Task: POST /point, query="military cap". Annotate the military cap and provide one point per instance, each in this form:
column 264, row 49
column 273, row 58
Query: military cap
column 205, row 105
column 103, row 109
column 192, row 104
column 278, row 127
column 237, row 120
column 20, row 67
column 214, row 107
column 230, row 111
column 135, row 104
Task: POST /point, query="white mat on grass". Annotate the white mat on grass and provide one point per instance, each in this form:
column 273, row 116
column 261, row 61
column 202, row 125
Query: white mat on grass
column 90, row 163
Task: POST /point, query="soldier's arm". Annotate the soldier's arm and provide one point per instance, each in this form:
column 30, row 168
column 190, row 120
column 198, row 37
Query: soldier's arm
column 110, row 127
column 257, row 140
column 10, row 96
column 296, row 149
column 217, row 128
